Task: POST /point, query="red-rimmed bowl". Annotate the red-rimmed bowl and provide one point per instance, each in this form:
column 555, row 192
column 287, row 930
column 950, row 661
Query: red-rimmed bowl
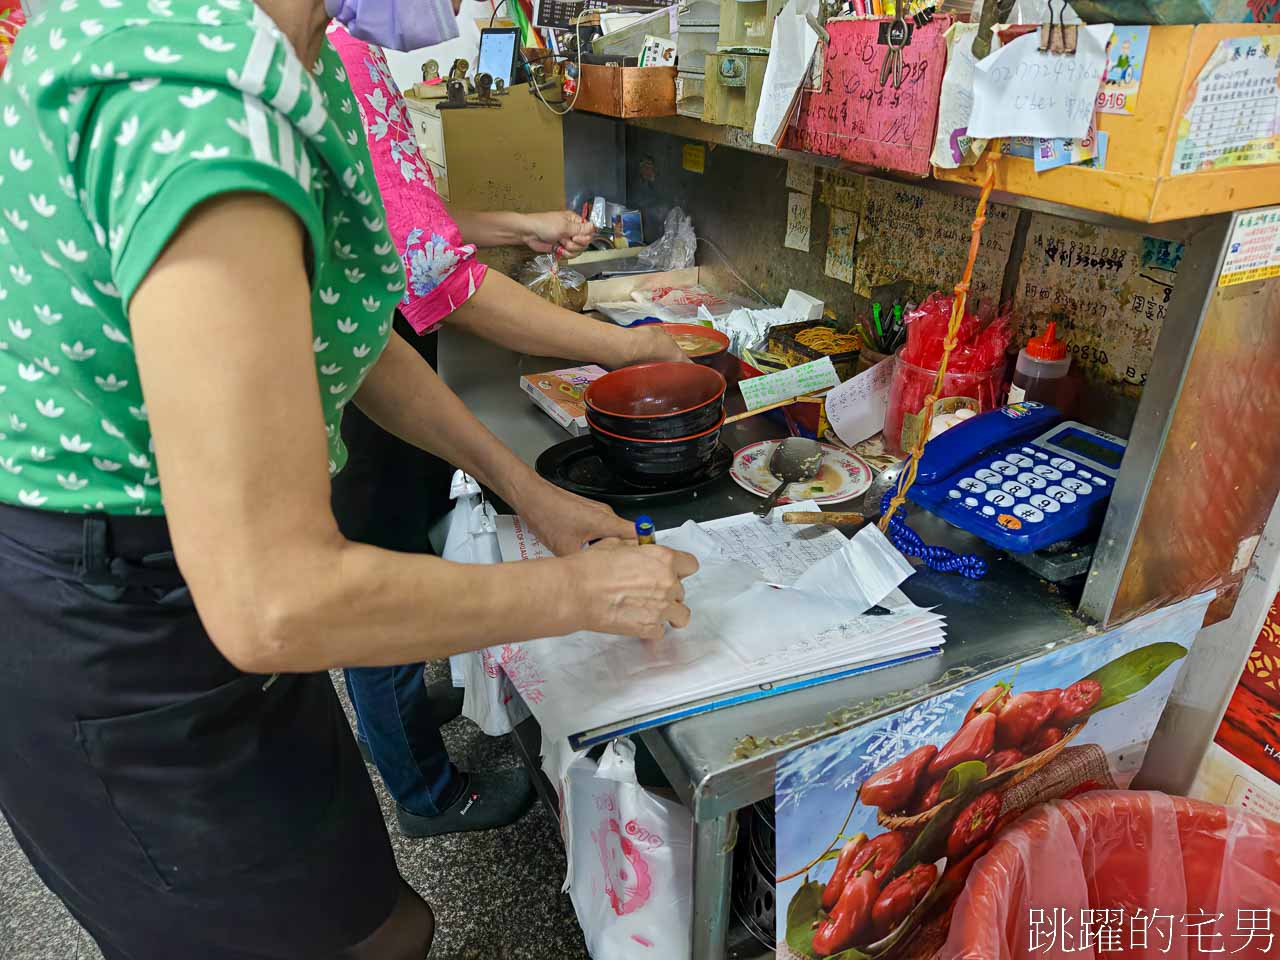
column 654, row 463
column 703, row 345
column 657, row 401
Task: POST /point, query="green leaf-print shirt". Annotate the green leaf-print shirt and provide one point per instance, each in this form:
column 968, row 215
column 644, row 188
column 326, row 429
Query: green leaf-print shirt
column 117, row 118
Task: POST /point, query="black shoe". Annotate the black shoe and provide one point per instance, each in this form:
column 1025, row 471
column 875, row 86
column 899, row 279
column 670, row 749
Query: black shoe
column 446, row 701
column 488, row 801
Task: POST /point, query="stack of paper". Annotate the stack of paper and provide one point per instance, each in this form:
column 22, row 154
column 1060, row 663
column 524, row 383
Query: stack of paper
column 771, row 603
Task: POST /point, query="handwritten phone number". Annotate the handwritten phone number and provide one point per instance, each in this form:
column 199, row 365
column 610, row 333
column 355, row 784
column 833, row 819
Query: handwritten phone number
column 1059, row 931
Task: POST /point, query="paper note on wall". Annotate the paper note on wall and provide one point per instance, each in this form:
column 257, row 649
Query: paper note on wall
column 1019, row 91
column 1108, row 290
column 855, row 409
column 841, row 232
column 1234, row 120
column 1059, row 152
column 800, row 176
column 793, row 382
column 799, row 211
column 1253, row 252
column 911, row 233
column 952, row 146
column 842, row 189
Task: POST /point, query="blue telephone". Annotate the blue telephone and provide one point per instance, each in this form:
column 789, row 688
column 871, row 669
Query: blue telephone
column 1019, row 477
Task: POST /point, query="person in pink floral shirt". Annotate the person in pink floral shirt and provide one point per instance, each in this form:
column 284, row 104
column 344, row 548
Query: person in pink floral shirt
column 398, row 718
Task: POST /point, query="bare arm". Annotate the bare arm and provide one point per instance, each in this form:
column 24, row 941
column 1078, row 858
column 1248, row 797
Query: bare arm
column 511, row 315
column 240, row 441
column 537, row 231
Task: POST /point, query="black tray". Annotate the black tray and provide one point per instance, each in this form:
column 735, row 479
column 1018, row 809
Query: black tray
column 575, row 465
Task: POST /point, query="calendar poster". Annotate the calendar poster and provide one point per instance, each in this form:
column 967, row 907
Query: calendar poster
column 1234, row 116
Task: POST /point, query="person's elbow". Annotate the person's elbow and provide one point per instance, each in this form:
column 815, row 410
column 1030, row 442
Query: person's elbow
column 263, row 621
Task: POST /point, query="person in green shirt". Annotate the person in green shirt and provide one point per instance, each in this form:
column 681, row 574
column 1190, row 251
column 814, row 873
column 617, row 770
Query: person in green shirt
column 195, row 280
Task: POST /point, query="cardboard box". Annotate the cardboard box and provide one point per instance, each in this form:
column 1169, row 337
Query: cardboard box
column 558, row 393
column 628, row 91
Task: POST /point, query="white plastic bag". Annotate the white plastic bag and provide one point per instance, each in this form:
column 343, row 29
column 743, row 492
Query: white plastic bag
column 490, row 701
column 632, row 861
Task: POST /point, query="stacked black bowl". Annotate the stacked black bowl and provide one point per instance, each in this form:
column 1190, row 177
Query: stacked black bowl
column 657, row 423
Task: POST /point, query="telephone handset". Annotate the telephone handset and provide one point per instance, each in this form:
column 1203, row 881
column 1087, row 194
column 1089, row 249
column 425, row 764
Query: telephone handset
column 1019, row 477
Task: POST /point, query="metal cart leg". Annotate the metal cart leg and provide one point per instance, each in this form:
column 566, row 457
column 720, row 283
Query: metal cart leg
column 713, row 843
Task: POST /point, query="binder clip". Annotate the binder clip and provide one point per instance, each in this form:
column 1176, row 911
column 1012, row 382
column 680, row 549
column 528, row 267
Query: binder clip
column 895, row 34
column 430, row 71
column 923, row 16
column 455, row 95
column 1058, row 36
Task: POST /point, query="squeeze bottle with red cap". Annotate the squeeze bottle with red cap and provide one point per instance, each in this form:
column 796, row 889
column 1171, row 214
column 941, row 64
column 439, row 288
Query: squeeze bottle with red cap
column 1041, row 372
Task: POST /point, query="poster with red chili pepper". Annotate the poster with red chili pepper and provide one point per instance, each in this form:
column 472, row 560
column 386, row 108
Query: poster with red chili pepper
column 1242, row 766
column 11, row 19
column 878, row 827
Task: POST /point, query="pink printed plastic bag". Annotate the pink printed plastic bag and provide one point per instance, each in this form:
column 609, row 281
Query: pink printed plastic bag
column 632, row 874
column 1150, row 877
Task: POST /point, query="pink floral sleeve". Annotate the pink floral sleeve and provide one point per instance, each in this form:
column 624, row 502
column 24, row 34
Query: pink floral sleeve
column 441, row 272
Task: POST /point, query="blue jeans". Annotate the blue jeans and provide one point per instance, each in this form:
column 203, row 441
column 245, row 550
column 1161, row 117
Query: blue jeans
column 393, row 714
column 389, row 495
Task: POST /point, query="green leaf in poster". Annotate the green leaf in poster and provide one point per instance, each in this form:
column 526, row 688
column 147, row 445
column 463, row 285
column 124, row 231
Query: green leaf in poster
column 961, row 777
column 1130, row 674
column 803, row 913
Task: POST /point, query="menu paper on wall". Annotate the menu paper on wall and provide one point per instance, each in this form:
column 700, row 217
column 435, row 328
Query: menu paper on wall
column 1019, row 91
column 917, row 234
column 793, row 382
column 1253, row 253
column 855, row 409
column 799, row 213
column 1233, row 119
column 800, row 176
column 841, row 231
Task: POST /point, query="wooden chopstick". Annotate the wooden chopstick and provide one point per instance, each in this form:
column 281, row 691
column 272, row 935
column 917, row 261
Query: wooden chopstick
column 798, row 517
column 772, row 406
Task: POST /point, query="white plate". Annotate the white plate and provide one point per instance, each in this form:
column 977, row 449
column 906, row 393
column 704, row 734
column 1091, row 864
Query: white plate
column 841, row 477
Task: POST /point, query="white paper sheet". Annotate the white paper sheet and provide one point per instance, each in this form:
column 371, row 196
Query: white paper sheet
column 952, row 146
column 855, row 409
column 799, row 226
column 743, row 631
column 1019, row 91
column 790, row 53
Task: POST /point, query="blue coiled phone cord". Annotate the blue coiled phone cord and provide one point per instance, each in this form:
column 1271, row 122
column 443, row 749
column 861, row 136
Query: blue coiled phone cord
column 935, row 558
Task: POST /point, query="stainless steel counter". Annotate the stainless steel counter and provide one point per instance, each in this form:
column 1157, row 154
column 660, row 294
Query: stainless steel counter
column 1007, row 617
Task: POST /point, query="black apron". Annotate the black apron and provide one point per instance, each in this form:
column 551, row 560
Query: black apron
column 179, row 807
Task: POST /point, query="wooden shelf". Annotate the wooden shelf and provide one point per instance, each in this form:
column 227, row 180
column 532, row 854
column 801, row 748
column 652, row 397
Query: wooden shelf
column 1135, row 187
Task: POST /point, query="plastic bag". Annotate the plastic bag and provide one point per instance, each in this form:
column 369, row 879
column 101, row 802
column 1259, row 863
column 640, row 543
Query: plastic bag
column 675, row 249
column 490, row 701
column 1123, row 851
column 632, row 861
column 551, row 281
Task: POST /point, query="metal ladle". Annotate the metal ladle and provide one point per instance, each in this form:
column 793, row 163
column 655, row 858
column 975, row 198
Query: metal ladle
column 794, row 460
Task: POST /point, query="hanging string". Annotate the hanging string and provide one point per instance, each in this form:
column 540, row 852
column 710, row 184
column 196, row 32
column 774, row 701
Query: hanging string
column 893, row 512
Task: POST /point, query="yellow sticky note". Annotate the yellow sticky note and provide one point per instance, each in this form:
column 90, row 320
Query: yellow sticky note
column 694, row 157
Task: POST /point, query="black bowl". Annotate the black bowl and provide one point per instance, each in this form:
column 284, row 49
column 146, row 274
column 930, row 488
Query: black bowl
column 657, row 401
column 652, row 463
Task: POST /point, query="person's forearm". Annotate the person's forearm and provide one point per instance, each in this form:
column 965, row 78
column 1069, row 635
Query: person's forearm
column 404, row 396
column 513, row 316
column 494, row 228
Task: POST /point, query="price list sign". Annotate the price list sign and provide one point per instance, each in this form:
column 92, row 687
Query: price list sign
column 1254, row 250
column 1107, row 290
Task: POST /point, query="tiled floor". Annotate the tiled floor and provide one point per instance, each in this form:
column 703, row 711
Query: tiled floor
column 496, row 895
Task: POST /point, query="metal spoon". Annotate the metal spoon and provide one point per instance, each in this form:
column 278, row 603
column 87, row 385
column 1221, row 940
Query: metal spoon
column 794, row 460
